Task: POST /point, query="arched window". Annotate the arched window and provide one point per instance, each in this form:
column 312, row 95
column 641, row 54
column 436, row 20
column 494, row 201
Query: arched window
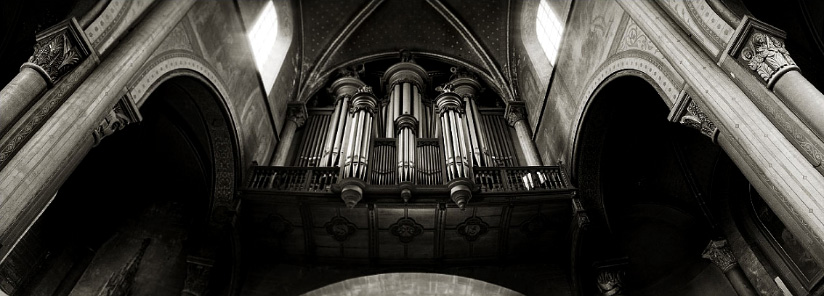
column 262, row 37
column 549, row 29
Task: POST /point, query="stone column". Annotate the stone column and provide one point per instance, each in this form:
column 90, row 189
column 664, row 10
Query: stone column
column 353, row 171
column 295, row 118
column 458, row 166
column 57, row 51
column 516, row 117
column 721, row 255
column 760, row 47
column 31, row 178
column 790, row 185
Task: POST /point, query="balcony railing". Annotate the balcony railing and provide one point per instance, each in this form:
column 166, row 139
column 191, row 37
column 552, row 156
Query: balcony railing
column 517, row 179
column 316, row 179
column 488, row 179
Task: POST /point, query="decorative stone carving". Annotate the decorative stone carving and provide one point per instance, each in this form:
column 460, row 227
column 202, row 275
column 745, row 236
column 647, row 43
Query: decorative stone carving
column 277, row 226
column 611, row 282
column 767, row 56
column 515, row 111
column 761, row 48
column 340, row 228
column 123, row 113
column 58, row 50
column 198, row 270
column 297, row 113
column 720, row 253
column 472, row 228
column 535, row 225
column 688, row 113
column 406, row 229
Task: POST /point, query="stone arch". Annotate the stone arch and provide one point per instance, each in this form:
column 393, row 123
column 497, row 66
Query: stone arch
column 415, row 283
column 219, row 114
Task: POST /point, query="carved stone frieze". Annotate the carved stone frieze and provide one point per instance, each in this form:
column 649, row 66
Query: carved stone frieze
column 515, row 111
column 58, row 50
column 123, row 113
column 297, row 113
column 472, row 228
column 406, row 229
column 760, row 47
column 688, row 113
column 340, row 228
column 720, row 253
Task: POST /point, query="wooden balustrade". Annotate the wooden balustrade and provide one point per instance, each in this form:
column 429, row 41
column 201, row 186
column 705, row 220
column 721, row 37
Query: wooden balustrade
column 293, row 178
column 488, row 179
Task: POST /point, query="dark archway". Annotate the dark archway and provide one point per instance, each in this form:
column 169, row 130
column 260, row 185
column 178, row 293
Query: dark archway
column 148, row 192
column 646, row 183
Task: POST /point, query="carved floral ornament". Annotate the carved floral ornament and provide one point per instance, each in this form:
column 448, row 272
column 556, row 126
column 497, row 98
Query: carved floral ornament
column 340, row 228
column 515, row 111
column 123, row 113
column 297, row 113
column 720, row 253
column 472, row 228
column 766, row 55
column 58, row 50
column 406, row 229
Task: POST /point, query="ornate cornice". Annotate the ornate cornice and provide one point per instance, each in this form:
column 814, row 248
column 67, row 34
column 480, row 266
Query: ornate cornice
column 58, row 50
column 760, row 47
column 123, row 113
column 406, row 121
column 464, row 83
column 364, row 99
column 515, row 111
column 720, row 253
column 345, row 86
column 297, row 113
column 448, row 100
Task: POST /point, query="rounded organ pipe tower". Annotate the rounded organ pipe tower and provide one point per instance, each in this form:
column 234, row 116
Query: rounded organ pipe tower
column 343, row 89
column 358, row 143
column 404, row 116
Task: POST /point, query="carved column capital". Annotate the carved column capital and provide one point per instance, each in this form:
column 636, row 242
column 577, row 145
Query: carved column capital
column 580, row 213
column 297, row 113
column 760, row 47
column 610, row 277
column 58, row 50
column 123, row 113
column 515, row 111
column 688, row 113
column 719, row 252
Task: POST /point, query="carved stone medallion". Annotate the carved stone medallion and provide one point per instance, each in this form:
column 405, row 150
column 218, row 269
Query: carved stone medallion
column 406, row 229
column 473, row 228
column 340, row 228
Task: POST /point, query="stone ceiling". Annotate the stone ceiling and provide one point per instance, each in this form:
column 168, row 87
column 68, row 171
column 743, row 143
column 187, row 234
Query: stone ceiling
column 470, row 32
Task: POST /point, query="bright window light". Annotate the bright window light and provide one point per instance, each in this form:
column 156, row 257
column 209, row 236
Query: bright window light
column 549, row 30
column 262, row 37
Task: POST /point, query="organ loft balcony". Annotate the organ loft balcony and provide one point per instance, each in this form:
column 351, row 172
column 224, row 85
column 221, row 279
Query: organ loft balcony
column 394, row 156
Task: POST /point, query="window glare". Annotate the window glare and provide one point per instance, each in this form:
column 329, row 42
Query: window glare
column 549, row 29
column 262, row 38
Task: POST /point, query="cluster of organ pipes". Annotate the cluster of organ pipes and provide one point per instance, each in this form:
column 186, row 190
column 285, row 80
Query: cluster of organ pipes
column 407, row 137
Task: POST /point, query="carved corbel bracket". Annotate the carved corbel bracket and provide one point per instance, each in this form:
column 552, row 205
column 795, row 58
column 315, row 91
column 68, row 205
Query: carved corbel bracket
column 688, row 113
column 297, row 113
column 760, row 47
column 515, row 111
column 720, row 253
column 58, row 50
column 123, row 113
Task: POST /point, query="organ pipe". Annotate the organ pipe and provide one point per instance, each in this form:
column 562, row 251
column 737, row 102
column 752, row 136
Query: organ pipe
column 361, row 114
column 343, row 89
column 458, row 170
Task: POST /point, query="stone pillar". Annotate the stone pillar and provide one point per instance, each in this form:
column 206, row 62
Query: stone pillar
column 57, row 51
column 516, row 116
column 760, row 47
column 458, row 166
column 30, row 179
column 790, row 185
column 404, row 82
column 342, row 89
column 295, row 118
column 721, row 255
column 353, row 172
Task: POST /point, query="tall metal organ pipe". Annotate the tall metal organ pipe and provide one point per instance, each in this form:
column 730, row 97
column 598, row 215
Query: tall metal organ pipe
column 353, row 171
column 404, row 82
column 458, row 164
column 343, row 89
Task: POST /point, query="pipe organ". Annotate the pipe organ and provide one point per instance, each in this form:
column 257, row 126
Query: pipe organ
column 406, row 139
